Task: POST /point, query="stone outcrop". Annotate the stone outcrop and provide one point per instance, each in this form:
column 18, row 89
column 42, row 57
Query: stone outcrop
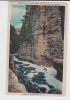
column 11, row 63
column 13, row 84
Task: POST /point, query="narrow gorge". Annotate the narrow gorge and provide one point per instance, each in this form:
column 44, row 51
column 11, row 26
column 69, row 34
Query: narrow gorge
column 38, row 50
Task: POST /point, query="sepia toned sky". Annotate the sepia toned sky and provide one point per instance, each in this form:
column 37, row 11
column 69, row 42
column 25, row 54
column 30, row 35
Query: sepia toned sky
column 17, row 12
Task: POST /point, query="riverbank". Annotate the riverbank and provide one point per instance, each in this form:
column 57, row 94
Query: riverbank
column 13, row 84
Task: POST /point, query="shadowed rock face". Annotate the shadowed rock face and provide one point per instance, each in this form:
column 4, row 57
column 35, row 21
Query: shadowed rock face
column 11, row 63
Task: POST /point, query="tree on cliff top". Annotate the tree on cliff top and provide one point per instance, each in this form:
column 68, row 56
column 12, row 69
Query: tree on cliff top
column 13, row 39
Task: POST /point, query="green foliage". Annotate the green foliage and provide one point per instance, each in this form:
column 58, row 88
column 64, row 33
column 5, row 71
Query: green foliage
column 13, row 39
column 25, row 32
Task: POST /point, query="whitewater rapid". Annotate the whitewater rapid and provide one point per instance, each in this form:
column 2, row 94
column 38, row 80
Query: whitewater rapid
column 49, row 74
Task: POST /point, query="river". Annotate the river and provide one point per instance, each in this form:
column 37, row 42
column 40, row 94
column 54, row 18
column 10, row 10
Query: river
column 37, row 79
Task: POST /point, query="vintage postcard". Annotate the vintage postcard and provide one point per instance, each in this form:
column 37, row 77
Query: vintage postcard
column 36, row 58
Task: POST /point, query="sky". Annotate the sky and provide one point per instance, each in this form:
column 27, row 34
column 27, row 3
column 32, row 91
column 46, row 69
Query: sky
column 17, row 11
